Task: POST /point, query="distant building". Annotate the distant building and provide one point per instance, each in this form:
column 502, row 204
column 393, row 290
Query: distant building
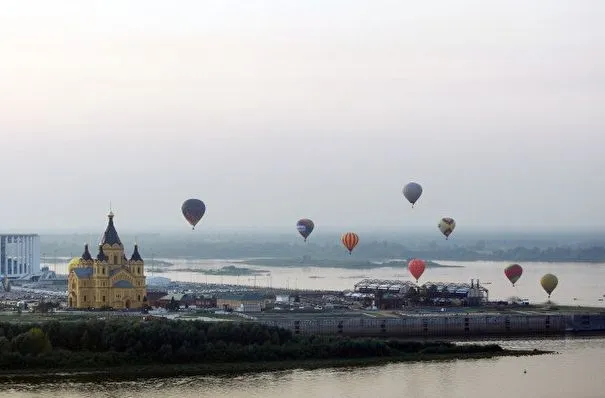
column 19, row 255
column 246, row 302
column 110, row 279
column 153, row 297
column 183, row 299
column 384, row 286
column 49, row 278
column 392, row 294
column 205, row 301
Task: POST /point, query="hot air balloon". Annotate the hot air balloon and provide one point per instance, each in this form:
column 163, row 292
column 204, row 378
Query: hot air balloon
column 193, row 210
column 513, row 272
column 416, row 268
column 305, row 227
column 412, row 192
column 549, row 282
column 446, row 226
column 73, row 263
column 350, row 240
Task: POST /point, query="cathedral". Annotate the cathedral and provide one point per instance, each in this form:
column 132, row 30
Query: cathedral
column 110, row 279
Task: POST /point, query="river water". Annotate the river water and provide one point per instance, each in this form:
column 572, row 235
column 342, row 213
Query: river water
column 576, row 371
column 579, row 283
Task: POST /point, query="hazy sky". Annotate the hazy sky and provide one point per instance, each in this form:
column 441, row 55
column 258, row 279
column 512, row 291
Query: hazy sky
column 270, row 111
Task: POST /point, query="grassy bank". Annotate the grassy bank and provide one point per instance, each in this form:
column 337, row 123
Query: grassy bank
column 237, row 368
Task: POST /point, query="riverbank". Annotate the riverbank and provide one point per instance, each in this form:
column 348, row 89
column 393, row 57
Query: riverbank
column 126, row 373
column 160, row 347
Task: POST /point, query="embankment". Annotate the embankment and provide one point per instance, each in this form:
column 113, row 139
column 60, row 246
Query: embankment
column 472, row 325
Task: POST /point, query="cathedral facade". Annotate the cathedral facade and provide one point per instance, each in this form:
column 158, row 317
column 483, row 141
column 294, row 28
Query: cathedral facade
column 110, row 279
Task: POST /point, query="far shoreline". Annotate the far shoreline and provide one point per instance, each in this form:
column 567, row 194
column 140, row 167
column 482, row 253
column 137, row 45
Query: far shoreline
column 290, row 262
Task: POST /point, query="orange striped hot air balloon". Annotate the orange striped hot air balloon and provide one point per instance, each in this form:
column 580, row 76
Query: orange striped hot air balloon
column 350, row 240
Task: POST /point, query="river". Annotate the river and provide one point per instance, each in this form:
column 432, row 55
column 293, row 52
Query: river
column 579, row 283
column 577, row 371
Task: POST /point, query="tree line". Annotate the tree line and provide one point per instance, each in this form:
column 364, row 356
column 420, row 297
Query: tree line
column 118, row 342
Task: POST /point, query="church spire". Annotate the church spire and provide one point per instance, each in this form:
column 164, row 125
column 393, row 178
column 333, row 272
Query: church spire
column 86, row 255
column 135, row 254
column 101, row 255
column 110, row 236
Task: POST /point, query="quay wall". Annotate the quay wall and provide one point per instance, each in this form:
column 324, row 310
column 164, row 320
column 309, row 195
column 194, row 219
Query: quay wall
column 442, row 326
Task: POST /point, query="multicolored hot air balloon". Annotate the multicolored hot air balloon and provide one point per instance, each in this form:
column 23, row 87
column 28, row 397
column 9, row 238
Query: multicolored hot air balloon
column 513, row 272
column 412, row 192
column 446, row 226
column 350, row 240
column 305, row 227
column 193, row 211
column 416, row 267
column 549, row 283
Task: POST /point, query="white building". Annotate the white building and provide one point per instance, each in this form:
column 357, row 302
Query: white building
column 19, row 255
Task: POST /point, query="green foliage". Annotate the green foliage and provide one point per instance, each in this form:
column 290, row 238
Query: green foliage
column 5, row 346
column 45, row 307
column 32, row 342
column 115, row 342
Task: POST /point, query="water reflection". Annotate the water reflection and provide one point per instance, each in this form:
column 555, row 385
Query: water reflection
column 575, row 372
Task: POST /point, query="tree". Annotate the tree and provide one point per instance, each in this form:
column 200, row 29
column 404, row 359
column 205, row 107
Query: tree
column 5, row 345
column 173, row 305
column 33, row 342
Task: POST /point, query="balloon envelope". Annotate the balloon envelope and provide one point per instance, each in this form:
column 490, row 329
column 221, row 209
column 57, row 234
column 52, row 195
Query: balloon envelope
column 193, row 211
column 416, row 268
column 549, row 282
column 350, row 240
column 73, row 263
column 446, row 226
column 305, row 227
column 412, row 192
column 513, row 272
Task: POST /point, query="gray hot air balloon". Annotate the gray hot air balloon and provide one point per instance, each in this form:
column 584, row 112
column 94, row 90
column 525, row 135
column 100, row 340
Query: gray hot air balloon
column 305, row 227
column 193, row 211
column 412, row 192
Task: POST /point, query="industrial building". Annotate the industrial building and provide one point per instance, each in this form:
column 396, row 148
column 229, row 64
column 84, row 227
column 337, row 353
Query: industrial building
column 19, row 255
column 245, row 302
column 392, row 294
column 383, row 286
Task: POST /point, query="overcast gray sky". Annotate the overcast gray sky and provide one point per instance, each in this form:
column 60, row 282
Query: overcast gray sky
column 270, row 111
